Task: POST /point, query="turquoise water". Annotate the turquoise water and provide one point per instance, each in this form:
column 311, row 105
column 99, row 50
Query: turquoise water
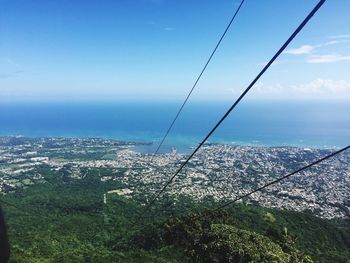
column 259, row 123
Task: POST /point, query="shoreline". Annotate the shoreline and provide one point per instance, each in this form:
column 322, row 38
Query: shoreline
column 148, row 147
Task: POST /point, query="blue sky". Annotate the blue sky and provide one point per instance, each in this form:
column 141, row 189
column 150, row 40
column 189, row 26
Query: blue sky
column 154, row 49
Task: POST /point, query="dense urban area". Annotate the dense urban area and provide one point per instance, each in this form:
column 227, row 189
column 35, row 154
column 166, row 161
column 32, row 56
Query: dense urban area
column 219, row 171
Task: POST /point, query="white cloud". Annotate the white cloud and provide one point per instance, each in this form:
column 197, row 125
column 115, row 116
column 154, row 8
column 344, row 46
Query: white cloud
column 333, row 42
column 318, row 59
column 325, row 87
column 308, row 49
column 169, row 28
column 322, row 58
column 259, row 86
column 340, row 36
column 316, row 89
column 10, row 67
column 11, row 62
column 305, row 49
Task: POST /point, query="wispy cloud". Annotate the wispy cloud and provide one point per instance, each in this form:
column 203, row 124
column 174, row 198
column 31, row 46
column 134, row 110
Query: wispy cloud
column 159, row 26
column 169, row 28
column 334, row 42
column 305, row 49
column 317, row 59
column 340, row 36
column 325, row 87
column 316, row 89
column 12, row 69
column 11, row 62
column 311, row 51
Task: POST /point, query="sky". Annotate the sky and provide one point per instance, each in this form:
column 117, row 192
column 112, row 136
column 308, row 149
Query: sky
column 78, row 50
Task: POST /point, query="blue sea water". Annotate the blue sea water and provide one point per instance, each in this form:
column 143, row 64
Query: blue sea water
column 305, row 124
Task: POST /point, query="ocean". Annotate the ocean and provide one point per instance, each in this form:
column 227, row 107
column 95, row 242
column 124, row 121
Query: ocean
column 304, row 124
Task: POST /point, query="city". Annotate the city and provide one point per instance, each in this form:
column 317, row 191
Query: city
column 219, row 171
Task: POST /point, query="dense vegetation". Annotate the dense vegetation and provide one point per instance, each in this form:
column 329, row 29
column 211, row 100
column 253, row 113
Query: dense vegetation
column 66, row 220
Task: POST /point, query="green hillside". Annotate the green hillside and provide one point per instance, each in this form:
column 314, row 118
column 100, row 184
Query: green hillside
column 66, row 220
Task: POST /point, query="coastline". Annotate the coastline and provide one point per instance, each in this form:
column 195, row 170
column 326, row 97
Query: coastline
column 148, row 147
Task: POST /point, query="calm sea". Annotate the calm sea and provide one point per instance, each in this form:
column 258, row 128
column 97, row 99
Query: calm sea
column 304, row 124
